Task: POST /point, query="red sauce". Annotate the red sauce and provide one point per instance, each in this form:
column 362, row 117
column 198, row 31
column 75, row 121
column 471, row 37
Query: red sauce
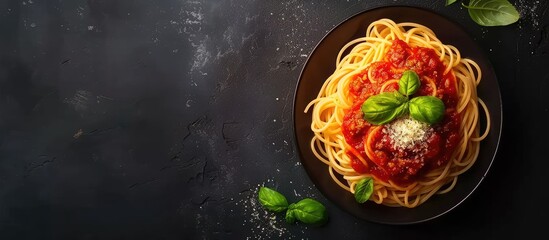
column 403, row 166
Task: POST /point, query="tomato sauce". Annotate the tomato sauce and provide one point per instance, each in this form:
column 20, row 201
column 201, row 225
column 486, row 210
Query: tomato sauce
column 389, row 163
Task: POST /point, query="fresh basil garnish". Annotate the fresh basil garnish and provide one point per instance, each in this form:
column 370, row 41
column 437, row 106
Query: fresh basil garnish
column 384, row 107
column 427, row 109
column 308, row 211
column 272, row 200
column 448, row 2
column 290, row 217
column 364, row 189
column 409, row 83
column 492, row 12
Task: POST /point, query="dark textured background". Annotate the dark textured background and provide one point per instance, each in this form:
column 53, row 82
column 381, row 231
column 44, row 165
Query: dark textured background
column 158, row 119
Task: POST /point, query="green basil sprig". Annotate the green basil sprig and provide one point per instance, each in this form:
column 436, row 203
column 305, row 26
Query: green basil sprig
column 387, row 106
column 307, row 210
column 384, row 107
column 490, row 12
column 272, row 200
column 409, row 83
column 364, row 189
column 448, row 2
column 427, row 109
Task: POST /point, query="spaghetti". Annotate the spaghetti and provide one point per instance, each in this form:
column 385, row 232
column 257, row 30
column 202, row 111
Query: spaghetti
column 410, row 161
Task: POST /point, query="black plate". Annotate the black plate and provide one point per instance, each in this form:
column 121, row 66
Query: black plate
column 321, row 64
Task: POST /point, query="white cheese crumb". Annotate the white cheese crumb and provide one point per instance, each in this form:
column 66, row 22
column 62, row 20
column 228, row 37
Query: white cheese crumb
column 406, row 132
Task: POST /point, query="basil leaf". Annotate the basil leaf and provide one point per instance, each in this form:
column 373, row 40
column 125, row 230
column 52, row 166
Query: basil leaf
column 308, row 211
column 409, row 83
column 449, row 2
column 492, row 12
column 384, row 107
column 272, row 200
column 364, row 189
column 427, row 109
column 290, row 216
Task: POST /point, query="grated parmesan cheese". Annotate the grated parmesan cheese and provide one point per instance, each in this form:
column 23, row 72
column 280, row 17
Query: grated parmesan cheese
column 406, row 132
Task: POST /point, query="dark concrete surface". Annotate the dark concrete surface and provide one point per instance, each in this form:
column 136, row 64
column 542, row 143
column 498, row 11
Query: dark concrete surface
column 159, row 119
